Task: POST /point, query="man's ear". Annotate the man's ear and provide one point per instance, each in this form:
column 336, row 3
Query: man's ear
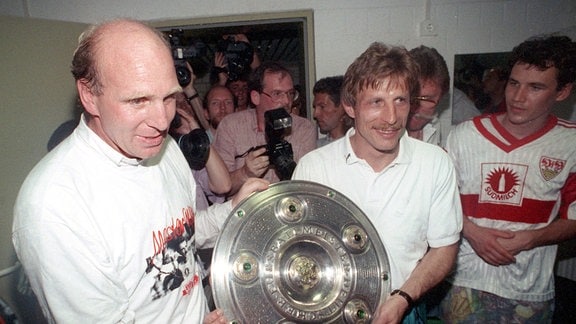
column 564, row 92
column 87, row 97
column 349, row 110
column 255, row 97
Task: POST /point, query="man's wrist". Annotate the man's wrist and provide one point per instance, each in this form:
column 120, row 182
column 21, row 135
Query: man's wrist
column 192, row 97
column 245, row 172
column 404, row 295
column 189, row 90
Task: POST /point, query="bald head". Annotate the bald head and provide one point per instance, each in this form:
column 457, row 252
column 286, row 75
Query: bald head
column 127, row 84
column 112, row 41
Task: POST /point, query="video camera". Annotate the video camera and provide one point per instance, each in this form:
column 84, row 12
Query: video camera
column 181, row 52
column 279, row 125
column 238, row 56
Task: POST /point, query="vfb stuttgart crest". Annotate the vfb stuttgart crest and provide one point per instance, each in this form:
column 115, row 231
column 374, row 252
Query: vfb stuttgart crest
column 550, row 167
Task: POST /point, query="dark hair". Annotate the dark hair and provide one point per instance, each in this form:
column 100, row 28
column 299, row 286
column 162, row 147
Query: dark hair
column 548, row 51
column 432, row 66
column 256, row 80
column 83, row 65
column 376, row 64
column 330, row 86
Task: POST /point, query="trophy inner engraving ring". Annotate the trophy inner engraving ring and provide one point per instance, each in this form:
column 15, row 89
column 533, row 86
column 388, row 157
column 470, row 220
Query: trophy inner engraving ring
column 309, row 273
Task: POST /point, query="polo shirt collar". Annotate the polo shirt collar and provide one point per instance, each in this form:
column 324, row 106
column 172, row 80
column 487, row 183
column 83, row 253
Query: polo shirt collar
column 95, row 142
column 405, row 153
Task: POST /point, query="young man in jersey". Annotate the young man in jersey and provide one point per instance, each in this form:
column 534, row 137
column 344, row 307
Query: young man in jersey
column 517, row 179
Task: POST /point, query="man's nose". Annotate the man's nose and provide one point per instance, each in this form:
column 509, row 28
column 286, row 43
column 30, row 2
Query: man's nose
column 161, row 115
column 519, row 93
column 389, row 114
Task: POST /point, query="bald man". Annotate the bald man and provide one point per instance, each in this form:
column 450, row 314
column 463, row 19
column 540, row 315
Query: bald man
column 106, row 225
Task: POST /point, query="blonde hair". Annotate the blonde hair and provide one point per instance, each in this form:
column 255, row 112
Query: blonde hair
column 378, row 63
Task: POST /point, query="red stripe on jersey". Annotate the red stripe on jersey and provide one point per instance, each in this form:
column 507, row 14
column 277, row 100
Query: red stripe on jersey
column 531, row 212
column 513, row 142
column 568, row 193
column 566, row 123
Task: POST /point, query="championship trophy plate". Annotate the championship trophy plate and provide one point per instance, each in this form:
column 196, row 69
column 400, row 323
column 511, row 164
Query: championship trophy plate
column 299, row 252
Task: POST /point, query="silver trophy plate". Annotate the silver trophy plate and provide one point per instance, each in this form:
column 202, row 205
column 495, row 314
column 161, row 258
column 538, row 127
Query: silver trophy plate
column 299, row 252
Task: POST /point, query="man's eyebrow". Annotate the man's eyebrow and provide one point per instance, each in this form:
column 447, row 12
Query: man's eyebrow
column 134, row 96
column 532, row 84
column 538, row 84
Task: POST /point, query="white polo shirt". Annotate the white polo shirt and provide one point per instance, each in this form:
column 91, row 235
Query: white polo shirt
column 413, row 203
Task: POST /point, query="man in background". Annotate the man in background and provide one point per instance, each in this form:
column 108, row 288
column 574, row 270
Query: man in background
column 240, row 138
column 330, row 116
column 218, row 103
column 434, row 85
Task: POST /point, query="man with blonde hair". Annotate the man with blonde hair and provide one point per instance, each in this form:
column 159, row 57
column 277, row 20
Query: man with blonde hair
column 406, row 187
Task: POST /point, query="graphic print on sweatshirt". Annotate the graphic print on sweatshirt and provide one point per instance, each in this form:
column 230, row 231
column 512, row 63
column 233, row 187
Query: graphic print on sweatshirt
column 170, row 264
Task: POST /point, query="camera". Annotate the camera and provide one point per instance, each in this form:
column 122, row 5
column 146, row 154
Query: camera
column 196, row 148
column 238, row 56
column 279, row 125
column 182, row 52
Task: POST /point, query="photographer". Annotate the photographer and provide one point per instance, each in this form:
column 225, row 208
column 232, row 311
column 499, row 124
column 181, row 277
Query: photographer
column 213, row 178
column 235, row 48
column 270, row 87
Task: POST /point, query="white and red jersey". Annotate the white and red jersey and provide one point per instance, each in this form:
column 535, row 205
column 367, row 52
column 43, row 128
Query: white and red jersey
column 513, row 184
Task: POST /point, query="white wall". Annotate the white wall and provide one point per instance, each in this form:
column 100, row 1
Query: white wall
column 38, row 93
column 342, row 30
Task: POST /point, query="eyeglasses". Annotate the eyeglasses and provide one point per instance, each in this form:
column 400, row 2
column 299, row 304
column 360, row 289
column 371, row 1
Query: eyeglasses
column 277, row 95
column 424, row 112
column 431, row 102
column 426, row 99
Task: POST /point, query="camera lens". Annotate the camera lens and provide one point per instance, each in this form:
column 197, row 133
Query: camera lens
column 183, row 75
column 196, row 148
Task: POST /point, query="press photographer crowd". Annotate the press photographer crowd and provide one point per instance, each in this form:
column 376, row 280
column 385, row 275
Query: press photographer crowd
column 120, row 221
column 238, row 56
